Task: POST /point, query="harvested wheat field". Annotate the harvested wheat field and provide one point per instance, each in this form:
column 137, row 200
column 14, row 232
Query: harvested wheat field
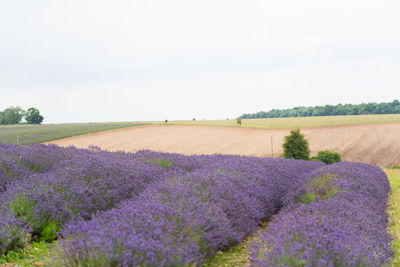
column 369, row 143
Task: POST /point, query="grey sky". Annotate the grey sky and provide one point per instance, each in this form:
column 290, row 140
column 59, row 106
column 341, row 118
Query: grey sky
column 80, row 61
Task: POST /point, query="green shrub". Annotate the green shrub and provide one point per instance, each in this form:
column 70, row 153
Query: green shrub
column 49, row 231
column 296, row 146
column 327, row 156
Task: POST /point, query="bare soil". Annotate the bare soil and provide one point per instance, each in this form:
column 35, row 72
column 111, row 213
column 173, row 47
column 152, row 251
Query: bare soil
column 377, row 144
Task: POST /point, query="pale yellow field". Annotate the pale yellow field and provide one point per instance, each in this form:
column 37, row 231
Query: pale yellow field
column 300, row 122
column 394, row 212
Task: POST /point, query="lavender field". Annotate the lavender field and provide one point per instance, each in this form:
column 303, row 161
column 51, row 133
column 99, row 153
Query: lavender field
column 161, row 209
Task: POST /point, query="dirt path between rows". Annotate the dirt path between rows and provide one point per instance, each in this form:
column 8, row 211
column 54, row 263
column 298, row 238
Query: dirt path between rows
column 369, row 143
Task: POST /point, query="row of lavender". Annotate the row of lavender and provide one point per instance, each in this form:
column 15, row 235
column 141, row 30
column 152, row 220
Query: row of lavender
column 188, row 206
column 338, row 218
column 185, row 218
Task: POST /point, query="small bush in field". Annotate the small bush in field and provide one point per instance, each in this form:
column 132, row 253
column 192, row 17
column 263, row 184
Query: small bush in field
column 327, row 156
column 296, row 146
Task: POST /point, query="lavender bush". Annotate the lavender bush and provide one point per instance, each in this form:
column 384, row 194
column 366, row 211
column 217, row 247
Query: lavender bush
column 337, row 218
column 12, row 232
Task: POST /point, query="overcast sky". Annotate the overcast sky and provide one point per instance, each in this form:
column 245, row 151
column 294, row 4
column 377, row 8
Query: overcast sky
column 87, row 61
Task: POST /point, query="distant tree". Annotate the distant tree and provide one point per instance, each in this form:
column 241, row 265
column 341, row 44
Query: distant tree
column 12, row 115
column 327, row 156
column 166, row 121
column 296, row 146
column 194, row 119
column 33, row 116
column 239, row 121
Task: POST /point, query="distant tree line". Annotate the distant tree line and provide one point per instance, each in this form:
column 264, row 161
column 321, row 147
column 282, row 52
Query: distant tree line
column 14, row 115
column 329, row 110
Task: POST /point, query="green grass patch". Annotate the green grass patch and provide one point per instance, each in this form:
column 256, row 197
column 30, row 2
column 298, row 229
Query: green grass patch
column 321, row 187
column 28, row 134
column 237, row 255
column 164, row 163
column 36, row 254
column 394, row 212
column 393, row 167
column 232, row 256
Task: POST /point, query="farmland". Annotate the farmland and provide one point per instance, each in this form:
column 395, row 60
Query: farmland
column 27, row 134
column 295, row 122
column 176, row 209
column 369, row 139
column 369, row 143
